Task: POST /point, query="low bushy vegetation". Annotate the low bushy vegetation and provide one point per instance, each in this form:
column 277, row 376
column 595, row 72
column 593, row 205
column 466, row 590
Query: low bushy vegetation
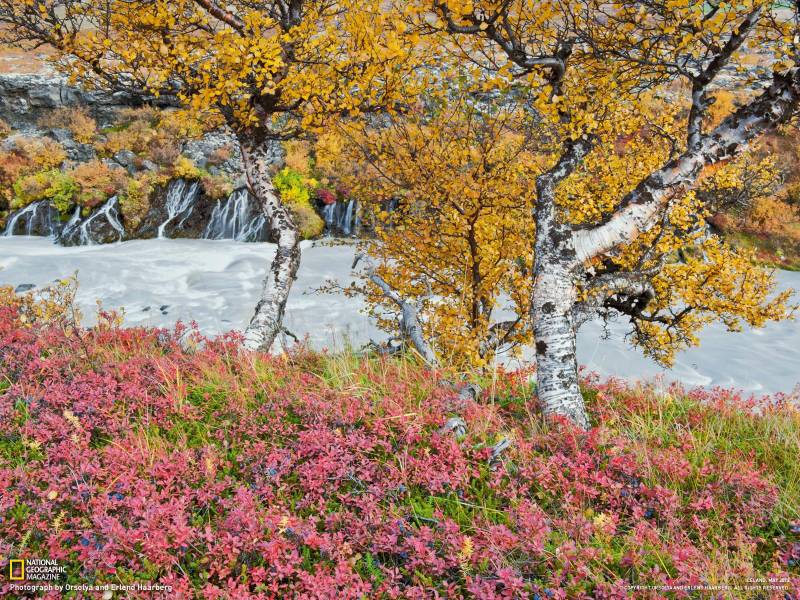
column 38, row 168
column 296, row 190
column 157, row 456
column 87, row 185
column 75, row 119
column 760, row 209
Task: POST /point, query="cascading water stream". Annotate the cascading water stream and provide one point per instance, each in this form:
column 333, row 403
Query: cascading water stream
column 329, row 214
column 37, row 213
column 236, row 219
column 179, row 202
column 347, row 223
column 72, row 225
column 341, row 217
column 109, row 211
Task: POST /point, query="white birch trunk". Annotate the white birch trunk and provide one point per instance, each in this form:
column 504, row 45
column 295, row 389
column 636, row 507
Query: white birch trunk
column 641, row 207
column 267, row 322
column 552, row 306
column 554, row 296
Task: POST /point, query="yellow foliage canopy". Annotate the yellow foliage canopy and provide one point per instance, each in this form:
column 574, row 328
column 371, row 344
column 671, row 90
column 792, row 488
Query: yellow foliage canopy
column 285, row 70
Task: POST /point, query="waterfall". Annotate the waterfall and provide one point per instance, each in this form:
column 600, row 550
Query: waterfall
column 110, row 211
column 346, row 225
column 72, row 225
column 341, row 217
column 37, row 216
column 179, row 203
column 329, row 214
column 236, row 219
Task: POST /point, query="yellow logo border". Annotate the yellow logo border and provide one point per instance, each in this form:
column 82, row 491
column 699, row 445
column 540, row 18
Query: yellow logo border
column 11, row 564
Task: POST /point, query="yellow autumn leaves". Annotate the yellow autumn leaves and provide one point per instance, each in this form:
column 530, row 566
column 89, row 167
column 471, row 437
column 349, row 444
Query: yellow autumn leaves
column 459, row 241
column 260, row 68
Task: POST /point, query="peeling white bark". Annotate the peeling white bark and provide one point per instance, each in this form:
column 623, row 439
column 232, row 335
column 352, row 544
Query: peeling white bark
column 267, row 321
column 554, row 296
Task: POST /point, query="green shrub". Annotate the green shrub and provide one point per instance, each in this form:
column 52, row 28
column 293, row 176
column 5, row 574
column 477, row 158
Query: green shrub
column 293, row 187
column 134, row 198
column 308, row 221
column 60, row 188
column 295, row 191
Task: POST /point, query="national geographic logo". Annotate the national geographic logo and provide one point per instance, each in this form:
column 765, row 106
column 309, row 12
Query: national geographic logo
column 16, row 570
column 35, row 569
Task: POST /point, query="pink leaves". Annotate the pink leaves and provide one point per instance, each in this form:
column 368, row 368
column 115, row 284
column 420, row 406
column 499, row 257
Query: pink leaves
column 230, row 479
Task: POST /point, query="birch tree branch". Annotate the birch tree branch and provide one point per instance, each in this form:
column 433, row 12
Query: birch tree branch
column 641, row 206
column 499, row 333
column 635, row 286
column 409, row 314
column 497, row 28
column 222, row 14
column 701, row 81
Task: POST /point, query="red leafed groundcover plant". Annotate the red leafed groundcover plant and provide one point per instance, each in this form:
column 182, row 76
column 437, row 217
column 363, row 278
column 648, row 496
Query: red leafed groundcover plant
column 158, row 456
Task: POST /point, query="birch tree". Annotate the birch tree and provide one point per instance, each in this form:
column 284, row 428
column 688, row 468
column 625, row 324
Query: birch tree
column 456, row 242
column 587, row 68
column 273, row 70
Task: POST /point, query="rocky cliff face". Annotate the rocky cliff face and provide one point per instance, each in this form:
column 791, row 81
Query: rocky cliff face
column 25, row 98
column 177, row 209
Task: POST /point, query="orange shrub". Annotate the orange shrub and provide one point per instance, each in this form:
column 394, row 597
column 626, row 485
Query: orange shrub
column 76, row 119
column 220, row 155
column 13, row 165
column 771, row 215
column 134, row 137
column 97, row 182
column 298, row 156
column 148, row 114
column 163, row 150
column 43, row 152
column 216, row 187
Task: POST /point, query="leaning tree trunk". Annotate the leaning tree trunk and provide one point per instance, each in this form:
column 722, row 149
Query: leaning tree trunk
column 267, row 322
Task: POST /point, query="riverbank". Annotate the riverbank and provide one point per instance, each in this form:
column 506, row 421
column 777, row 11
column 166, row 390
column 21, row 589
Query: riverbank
column 215, row 283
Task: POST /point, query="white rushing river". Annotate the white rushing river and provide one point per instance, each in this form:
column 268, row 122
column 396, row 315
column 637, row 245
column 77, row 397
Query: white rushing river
column 216, row 283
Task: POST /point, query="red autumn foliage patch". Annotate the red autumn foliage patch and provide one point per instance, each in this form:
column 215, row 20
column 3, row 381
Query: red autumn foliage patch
column 154, row 456
column 326, row 196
